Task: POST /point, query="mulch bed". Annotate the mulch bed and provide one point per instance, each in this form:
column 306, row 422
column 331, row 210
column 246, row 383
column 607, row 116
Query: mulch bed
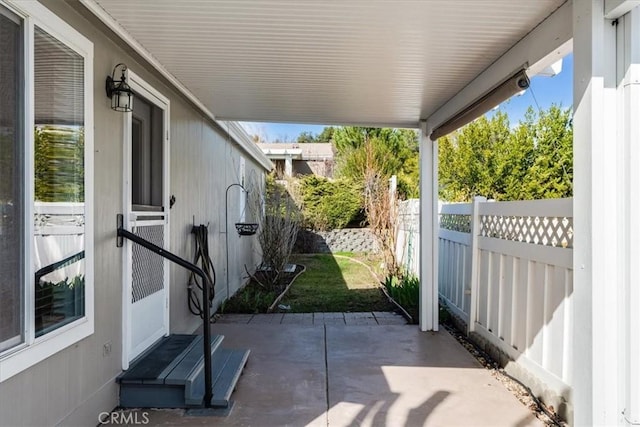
column 256, row 297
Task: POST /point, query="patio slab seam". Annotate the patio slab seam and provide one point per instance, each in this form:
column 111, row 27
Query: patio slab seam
column 321, row 318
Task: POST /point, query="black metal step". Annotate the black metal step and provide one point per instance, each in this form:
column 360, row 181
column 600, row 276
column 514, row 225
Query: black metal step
column 171, row 374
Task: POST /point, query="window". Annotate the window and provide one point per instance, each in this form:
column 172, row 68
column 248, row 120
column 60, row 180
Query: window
column 46, row 289
column 11, row 173
column 59, row 183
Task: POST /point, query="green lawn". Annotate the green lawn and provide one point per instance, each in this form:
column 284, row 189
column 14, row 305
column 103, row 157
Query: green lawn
column 333, row 284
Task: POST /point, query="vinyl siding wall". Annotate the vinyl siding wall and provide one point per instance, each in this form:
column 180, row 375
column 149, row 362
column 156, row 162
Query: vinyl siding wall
column 73, row 386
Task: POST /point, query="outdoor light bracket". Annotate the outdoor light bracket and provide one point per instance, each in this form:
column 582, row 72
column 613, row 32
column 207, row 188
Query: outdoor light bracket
column 119, row 91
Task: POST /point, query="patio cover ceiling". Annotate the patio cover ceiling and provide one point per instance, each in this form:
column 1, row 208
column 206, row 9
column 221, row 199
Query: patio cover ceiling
column 367, row 62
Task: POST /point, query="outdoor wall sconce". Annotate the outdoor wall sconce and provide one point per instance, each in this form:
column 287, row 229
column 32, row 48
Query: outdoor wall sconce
column 119, row 91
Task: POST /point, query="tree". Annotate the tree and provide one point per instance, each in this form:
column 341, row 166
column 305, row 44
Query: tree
column 472, row 167
column 550, row 173
column 306, row 137
column 387, row 151
column 489, row 158
column 326, row 135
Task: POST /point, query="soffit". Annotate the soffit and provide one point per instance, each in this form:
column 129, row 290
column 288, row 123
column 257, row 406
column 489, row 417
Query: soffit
column 372, row 62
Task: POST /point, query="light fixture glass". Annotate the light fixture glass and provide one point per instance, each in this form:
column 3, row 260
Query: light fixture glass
column 119, row 91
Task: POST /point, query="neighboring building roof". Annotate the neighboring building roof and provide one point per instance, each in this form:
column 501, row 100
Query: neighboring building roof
column 305, row 151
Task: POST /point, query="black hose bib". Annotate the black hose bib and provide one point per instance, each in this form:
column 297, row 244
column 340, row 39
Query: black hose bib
column 202, row 259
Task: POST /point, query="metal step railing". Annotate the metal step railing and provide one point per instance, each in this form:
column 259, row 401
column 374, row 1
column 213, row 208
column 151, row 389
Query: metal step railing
column 206, row 326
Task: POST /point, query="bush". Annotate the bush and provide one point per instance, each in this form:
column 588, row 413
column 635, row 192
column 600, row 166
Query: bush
column 329, row 204
column 279, row 220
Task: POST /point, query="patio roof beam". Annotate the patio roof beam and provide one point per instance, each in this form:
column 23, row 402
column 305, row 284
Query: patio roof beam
column 551, row 35
column 614, row 9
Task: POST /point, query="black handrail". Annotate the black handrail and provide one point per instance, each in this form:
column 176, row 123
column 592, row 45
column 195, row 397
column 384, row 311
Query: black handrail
column 58, row 265
column 208, row 390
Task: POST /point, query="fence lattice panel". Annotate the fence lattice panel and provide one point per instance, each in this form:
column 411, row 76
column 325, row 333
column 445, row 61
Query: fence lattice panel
column 547, row 231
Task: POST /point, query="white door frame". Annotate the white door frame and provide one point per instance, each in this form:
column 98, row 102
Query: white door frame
column 131, row 218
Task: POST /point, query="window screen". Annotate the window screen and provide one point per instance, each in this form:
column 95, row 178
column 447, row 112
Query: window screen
column 146, row 155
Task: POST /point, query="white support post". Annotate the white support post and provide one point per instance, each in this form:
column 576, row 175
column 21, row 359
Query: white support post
column 630, row 207
column 599, row 206
column 428, row 230
column 475, row 255
column 288, row 166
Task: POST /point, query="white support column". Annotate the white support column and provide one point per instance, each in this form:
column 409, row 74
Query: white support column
column 629, row 155
column 600, row 191
column 288, row 165
column 428, row 230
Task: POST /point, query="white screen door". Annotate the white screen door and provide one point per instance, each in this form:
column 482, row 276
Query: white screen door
column 146, row 274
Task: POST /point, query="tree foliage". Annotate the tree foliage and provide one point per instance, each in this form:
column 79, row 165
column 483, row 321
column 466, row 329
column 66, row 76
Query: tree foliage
column 488, row 158
column 386, row 151
column 325, row 136
column 328, row 204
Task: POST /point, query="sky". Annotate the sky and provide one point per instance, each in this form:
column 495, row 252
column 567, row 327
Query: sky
column 542, row 92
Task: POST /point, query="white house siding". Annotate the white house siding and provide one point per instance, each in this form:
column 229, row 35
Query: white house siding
column 73, row 386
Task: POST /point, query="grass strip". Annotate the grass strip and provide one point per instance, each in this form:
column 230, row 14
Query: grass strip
column 334, row 284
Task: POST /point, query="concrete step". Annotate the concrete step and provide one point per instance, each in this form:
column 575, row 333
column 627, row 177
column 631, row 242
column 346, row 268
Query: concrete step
column 226, row 367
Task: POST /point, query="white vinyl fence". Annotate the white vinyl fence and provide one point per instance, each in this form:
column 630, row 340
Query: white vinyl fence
column 408, row 236
column 505, row 268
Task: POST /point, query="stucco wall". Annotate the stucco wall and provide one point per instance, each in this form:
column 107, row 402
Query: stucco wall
column 73, row 386
column 313, row 167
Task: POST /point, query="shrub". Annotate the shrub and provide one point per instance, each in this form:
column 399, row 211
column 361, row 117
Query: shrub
column 279, row 219
column 329, row 204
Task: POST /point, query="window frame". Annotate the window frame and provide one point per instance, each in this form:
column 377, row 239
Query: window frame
column 34, row 350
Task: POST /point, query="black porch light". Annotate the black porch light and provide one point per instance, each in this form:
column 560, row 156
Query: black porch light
column 119, row 91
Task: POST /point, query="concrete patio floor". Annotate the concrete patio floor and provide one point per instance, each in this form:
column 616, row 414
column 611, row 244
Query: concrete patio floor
column 328, row 374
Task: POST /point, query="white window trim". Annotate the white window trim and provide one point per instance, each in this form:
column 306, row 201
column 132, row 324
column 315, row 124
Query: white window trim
column 35, row 350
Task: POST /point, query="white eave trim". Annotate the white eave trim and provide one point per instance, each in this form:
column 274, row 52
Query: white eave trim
column 614, row 9
column 551, row 36
column 235, row 130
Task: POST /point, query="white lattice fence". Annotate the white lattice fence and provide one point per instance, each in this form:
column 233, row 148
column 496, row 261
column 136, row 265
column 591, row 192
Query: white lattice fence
column 506, row 269
column 525, row 282
column 548, row 231
column 454, row 257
